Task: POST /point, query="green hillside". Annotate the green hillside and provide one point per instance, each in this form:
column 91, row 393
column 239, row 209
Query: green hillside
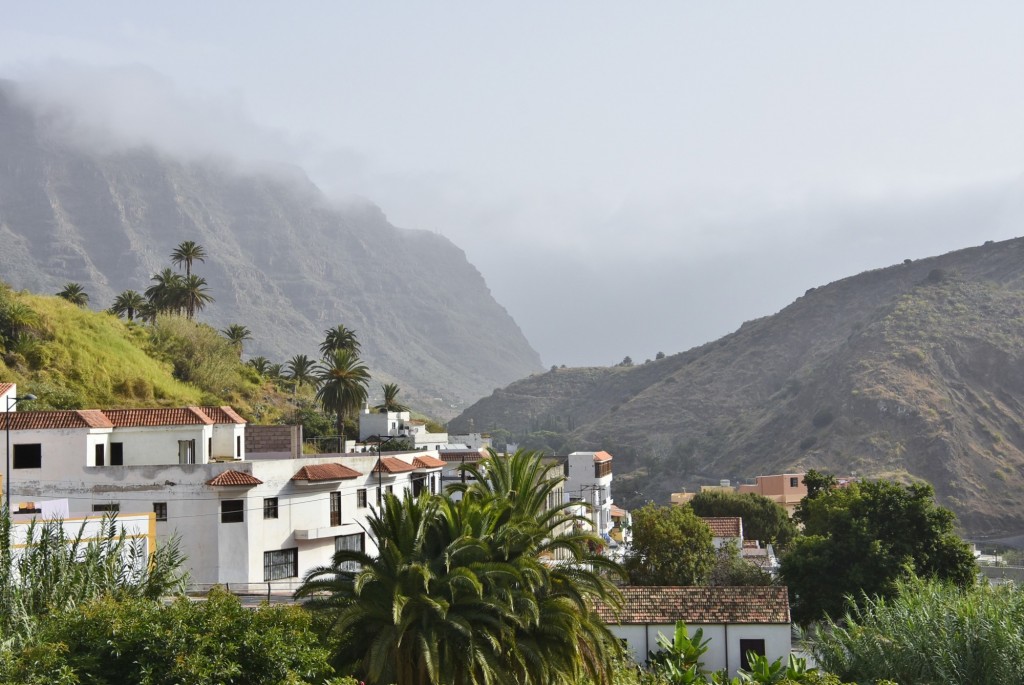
column 73, row 358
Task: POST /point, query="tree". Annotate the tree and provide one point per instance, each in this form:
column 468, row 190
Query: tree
column 763, row 519
column 300, row 369
column 195, row 294
column 660, row 355
column 731, row 569
column 128, row 304
column 391, row 402
column 339, row 338
column 237, row 334
column 860, row 540
column 261, row 364
column 342, row 380
column 187, row 252
column 671, row 546
column 166, row 292
column 75, row 294
column 460, row 593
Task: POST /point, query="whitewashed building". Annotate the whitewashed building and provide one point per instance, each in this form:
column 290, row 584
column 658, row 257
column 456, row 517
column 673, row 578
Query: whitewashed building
column 240, row 522
column 397, row 424
column 589, row 479
column 736, row 619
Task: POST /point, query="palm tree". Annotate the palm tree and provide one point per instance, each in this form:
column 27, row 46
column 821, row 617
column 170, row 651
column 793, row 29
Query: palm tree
column 339, row 338
column 127, row 304
column 187, row 252
column 75, row 294
column 464, row 591
column 391, row 402
column 342, row 379
column 261, row 364
column 195, row 294
column 166, row 292
column 16, row 318
column 301, row 369
column 237, row 334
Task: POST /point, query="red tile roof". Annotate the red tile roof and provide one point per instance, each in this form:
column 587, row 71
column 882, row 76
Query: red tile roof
column 425, row 461
column 618, row 512
column 144, row 418
column 469, row 455
column 236, row 478
column 392, row 465
column 700, row 605
column 222, row 414
column 602, row 456
column 725, row 526
column 320, row 472
column 49, row 420
column 4, row 387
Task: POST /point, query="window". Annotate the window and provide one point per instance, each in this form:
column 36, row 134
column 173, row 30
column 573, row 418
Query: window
column 603, row 468
column 755, row 646
column 417, row 486
column 351, row 543
column 281, row 563
column 391, row 489
column 232, row 511
column 378, row 495
column 335, row 508
column 209, row 448
column 794, row 482
column 110, row 506
column 270, row 507
column 238, row 446
column 361, row 497
column 186, row 451
column 28, row 456
column 117, row 454
column 160, row 509
column 99, row 455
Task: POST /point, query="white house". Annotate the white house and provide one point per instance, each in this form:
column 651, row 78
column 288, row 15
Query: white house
column 397, row 424
column 240, row 522
column 725, row 530
column 736, row 619
column 589, row 479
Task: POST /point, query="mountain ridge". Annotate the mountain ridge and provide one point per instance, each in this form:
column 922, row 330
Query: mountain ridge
column 905, row 372
column 283, row 260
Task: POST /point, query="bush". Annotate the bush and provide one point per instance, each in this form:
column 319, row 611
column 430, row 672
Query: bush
column 823, row 418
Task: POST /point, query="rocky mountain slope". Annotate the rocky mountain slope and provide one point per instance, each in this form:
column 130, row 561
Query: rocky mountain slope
column 913, row 371
column 282, row 260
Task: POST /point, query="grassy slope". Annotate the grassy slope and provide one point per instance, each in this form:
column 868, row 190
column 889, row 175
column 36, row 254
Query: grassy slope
column 92, row 359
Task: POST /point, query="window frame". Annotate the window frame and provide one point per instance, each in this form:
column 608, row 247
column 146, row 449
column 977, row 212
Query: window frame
column 335, row 510
column 232, row 515
column 99, row 454
column 352, row 566
column 34, row 457
column 290, row 565
column 361, row 501
column 270, row 508
column 160, row 510
column 756, row 645
column 108, row 507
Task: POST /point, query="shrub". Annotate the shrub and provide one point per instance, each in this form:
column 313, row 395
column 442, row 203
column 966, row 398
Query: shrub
column 822, row 418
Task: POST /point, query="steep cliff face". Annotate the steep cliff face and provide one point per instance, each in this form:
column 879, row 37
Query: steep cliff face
column 282, row 260
column 914, row 371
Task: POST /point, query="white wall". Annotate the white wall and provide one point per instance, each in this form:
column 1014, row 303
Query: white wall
column 723, row 649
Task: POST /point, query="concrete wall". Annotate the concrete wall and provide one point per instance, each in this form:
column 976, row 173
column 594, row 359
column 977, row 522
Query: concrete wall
column 723, row 649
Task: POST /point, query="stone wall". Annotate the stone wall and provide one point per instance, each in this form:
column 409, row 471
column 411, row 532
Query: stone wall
column 283, row 440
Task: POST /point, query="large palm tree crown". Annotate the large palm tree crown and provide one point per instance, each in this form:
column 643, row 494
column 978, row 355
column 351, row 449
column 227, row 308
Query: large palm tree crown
column 196, row 294
column 339, row 338
column 128, row 304
column 166, row 294
column 187, row 252
column 237, row 334
column 75, row 294
column 301, row 369
column 466, row 592
column 391, row 402
column 342, row 379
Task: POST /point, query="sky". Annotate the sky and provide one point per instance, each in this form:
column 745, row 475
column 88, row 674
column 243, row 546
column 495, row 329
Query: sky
column 629, row 178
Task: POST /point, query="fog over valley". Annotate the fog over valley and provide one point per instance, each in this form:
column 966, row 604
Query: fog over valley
column 628, row 180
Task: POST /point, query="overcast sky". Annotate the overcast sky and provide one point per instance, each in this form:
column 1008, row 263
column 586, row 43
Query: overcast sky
column 628, row 177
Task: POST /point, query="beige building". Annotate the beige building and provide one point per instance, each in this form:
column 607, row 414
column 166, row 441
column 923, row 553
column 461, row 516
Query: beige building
column 786, row 489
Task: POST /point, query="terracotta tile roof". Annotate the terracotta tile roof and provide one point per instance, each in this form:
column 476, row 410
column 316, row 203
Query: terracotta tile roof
column 392, row 465
column 222, row 414
column 48, row 420
column 425, row 461
column 469, row 455
column 725, row 526
column 5, row 387
column 144, row 418
column 232, row 477
column 618, row 512
column 700, row 605
column 602, row 456
column 320, row 472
